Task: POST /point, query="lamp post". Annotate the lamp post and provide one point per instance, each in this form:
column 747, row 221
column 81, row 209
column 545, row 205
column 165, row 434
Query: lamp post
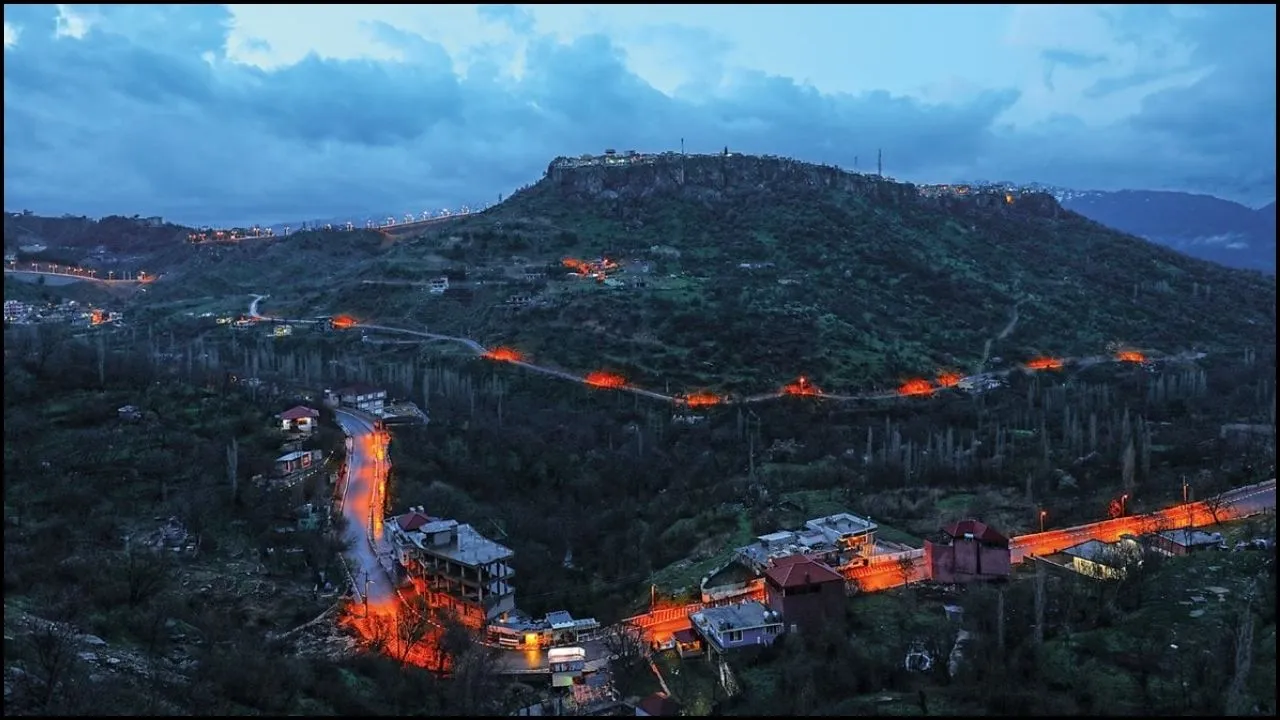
column 1042, row 514
column 1124, row 500
column 1184, row 490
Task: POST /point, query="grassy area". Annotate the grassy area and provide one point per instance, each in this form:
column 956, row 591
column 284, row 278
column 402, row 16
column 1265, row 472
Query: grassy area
column 692, row 681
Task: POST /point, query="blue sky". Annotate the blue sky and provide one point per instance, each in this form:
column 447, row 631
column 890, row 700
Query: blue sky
column 261, row 113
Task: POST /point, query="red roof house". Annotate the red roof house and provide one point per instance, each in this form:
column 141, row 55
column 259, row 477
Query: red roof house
column 299, row 419
column 968, row 551
column 805, row 591
column 412, row 520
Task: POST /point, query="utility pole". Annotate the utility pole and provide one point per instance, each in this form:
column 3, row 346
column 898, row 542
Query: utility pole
column 880, row 163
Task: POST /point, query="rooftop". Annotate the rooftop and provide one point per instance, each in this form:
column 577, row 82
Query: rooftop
column 1190, row 538
column 736, row 617
column 799, row 571
column 288, row 457
column 1112, row 554
column 299, row 412
column 468, row 547
column 412, row 520
column 841, row 524
column 975, row 530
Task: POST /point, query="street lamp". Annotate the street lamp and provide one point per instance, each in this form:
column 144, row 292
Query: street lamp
column 1184, row 490
column 1124, row 499
column 1042, row 514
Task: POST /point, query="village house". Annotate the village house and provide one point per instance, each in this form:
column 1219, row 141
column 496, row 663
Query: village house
column 292, row 466
column 1185, row 542
column 301, row 419
column 1104, row 561
column 968, row 551
column 364, row 397
column 129, row 413
column 805, row 592
column 438, row 285
column 729, row 627
column 458, row 567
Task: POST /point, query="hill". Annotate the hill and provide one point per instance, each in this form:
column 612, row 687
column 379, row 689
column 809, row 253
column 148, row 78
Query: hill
column 1202, row 226
column 739, row 273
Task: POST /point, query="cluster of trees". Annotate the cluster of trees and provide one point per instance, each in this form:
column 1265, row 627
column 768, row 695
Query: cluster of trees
column 1053, row 643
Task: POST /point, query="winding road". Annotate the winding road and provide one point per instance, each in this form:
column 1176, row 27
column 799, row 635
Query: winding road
column 366, row 486
column 809, row 391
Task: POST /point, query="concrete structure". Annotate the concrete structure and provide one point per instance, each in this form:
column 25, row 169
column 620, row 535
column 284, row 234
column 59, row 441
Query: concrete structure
column 1105, row 561
column 1185, row 542
column 458, row 567
column 967, row 551
column 364, row 397
column 735, row 626
column 838, row 540
column 438, row 285
column 299, row 419
column 805, row 592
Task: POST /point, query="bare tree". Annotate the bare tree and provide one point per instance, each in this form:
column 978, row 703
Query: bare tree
column 906, row 567
column 51, row 653
column 145, row 573
column 413, row 625
column 626, row 648
column 1216, row 505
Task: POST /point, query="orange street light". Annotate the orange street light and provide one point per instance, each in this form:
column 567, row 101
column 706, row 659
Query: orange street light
column 1042, row 514
column 1124, row 499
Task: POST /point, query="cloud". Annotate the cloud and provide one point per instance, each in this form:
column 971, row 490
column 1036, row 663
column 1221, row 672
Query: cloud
column 146, row 113
column 1055, row 57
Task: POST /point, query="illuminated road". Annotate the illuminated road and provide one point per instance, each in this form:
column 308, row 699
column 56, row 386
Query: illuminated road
column 513, row 358
column 22, row 271
column 366, row 476
column 1240, row 502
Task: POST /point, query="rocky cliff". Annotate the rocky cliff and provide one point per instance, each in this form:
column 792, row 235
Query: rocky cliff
column 710, row 178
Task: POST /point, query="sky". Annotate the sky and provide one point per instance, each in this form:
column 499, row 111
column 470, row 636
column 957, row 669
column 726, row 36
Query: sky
column 243, row 114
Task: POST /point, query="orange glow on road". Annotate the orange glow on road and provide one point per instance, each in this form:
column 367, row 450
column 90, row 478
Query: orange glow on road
column 504, row 354
column 1044, row 363
column 602, row 379
column 702, row 399
column 916, row 387
column 1130, row 356
column 344, row 322
column 576, row 265
column 801, row 386
column 949, row 379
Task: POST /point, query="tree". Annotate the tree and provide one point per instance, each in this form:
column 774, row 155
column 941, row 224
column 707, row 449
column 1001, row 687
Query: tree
column 1215, row 505
column 627, row 652
column 413, row 625
column 145, row 573
column 906, row 567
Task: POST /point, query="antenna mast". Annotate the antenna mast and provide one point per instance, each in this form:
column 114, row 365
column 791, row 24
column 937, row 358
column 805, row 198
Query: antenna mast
column 880, row 163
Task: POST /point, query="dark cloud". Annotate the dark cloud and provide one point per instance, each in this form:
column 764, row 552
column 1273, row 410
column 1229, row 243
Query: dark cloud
column 145, row 114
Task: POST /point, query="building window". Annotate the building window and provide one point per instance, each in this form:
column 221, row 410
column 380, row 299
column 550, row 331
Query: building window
column 734, row 636
column 772, row 630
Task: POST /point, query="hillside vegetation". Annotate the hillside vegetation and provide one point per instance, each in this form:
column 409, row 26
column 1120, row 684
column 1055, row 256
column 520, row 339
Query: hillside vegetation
column 740, row 273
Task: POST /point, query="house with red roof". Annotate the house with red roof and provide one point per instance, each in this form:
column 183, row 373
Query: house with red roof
column 804, row 591
column 967, row 551
column 299, row 419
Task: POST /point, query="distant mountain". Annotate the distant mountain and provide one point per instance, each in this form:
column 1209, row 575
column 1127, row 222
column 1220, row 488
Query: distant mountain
column 1201, row 226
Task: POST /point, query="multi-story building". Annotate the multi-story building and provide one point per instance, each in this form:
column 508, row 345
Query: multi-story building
column 364, row 397
column 457, row 567
column 733, row 626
